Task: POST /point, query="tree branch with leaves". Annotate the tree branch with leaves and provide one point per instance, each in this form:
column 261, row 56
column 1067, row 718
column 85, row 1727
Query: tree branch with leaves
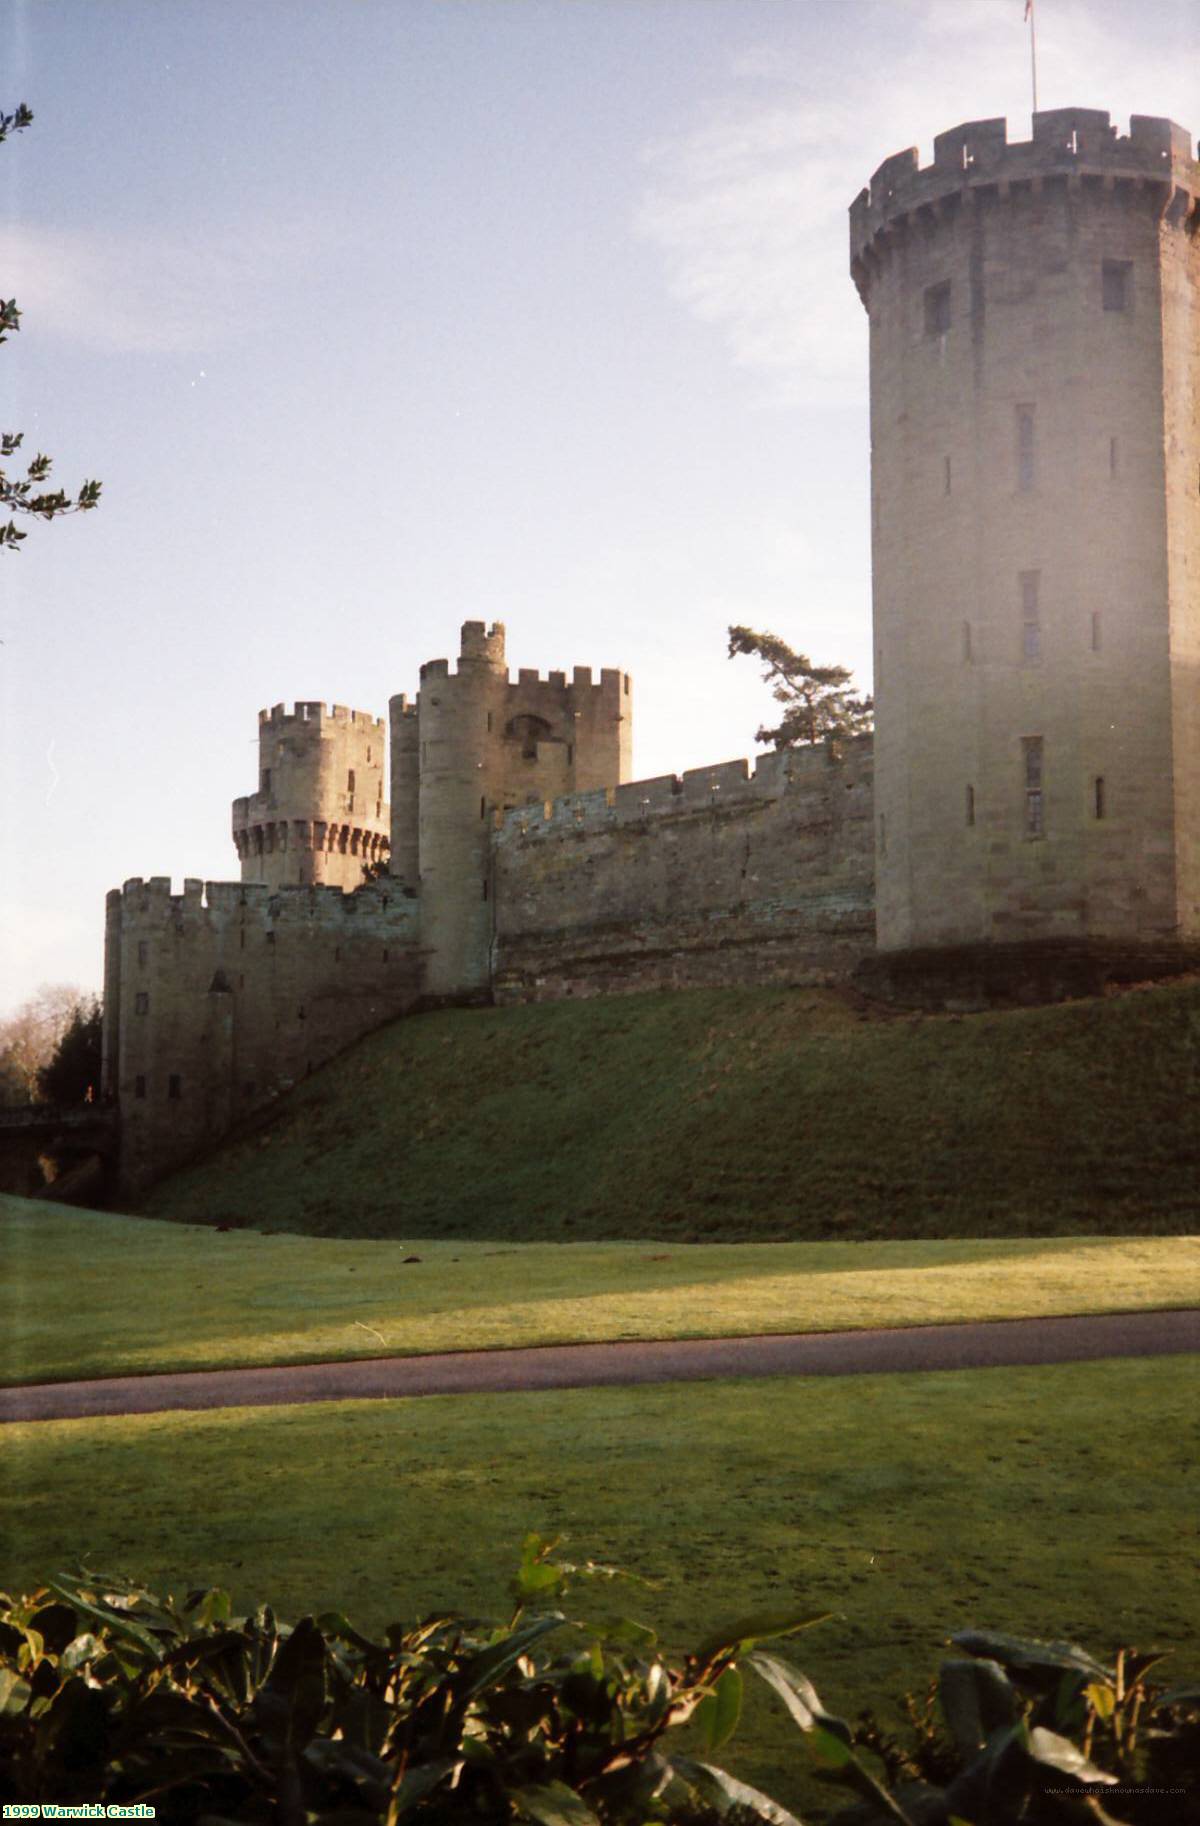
column 26, row 494
column 817, row 701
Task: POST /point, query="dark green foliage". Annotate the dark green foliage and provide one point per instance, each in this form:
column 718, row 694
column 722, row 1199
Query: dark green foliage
column 816, row 700
column 26, row 494
column 109, row 1693
column 1040, row 1732
column 72, row 1074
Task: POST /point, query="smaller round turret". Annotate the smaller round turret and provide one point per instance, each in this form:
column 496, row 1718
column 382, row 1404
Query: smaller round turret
column 319, row 815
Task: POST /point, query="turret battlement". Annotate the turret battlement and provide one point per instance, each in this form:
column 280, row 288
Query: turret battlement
column 1068, row 144
column 488, row 645
column 313, row 715
column 609, row 683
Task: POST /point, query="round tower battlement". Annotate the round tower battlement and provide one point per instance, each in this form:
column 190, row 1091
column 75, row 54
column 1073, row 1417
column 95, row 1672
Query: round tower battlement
column 1070, row 146
column 1035, row 340
column 319, row 814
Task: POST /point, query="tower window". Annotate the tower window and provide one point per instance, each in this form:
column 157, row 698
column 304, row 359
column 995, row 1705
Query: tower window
column 967, row 646
column 483, row 808
column 1025, row 448
column 266, row 779
column 970, row 806
column 1116, row 284
column 1035, row 811
column 1114, row 457
column 946, row 476
column 139, row 1086
column 143, row 950
column 141, row 1002
column 485, row 887
column 937, row 308
column 174, row 1087
column 1096, row 630
column 883, row 834
column 1099, row 795
column 1031, row 625
column 350, row 781
column 570, row 753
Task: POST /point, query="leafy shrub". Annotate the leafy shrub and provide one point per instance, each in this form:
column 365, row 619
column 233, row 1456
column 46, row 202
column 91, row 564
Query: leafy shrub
column 110, row 1694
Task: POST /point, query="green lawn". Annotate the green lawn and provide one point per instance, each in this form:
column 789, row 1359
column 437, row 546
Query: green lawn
column 1047, row 1501
column 733, row 1114
column 88, row 1294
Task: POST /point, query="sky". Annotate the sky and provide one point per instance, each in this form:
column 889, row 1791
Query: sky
column 374, row 316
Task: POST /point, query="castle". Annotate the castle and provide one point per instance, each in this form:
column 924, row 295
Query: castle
column 1034, row 781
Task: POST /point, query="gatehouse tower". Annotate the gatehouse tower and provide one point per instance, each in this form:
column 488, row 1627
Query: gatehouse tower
column 475, row 745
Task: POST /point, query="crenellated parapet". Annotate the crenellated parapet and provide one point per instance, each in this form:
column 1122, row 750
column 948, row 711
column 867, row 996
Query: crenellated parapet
column 312, row 716
column 487, row 645
column 722, row 789
column 975, row 162
column 153, row 903
column 717, row 875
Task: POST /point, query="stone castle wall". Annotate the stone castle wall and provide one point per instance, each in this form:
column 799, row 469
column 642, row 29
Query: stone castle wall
column 720, row 876
column 220, row 998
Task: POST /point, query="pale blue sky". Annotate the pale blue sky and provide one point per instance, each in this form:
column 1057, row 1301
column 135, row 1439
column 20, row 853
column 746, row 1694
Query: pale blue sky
column 375, row 315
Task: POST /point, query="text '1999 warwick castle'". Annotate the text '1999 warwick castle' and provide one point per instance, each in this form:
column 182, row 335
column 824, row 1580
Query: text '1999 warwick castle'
column 1026, row 820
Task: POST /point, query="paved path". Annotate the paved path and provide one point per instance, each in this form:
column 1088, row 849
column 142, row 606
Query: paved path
column 1004, row 1342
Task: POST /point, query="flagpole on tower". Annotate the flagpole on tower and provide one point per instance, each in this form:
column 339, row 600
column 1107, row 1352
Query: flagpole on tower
column 1032, row 18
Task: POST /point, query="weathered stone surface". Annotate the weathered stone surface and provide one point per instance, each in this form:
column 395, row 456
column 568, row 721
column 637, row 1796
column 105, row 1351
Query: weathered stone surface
column 717, row 877
column 223, row 996
column 319, row 816
column 1035, row 345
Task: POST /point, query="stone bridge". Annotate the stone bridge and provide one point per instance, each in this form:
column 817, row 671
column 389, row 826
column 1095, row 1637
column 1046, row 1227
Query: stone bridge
column 90, row 1127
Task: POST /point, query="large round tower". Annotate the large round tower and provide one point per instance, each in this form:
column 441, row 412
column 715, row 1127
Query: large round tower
column 319, row 815
column 1035, row 364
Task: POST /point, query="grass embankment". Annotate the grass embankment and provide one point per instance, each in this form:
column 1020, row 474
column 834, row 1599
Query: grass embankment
column 171, row 1296
column 739, row 1113
column 1043, row 1501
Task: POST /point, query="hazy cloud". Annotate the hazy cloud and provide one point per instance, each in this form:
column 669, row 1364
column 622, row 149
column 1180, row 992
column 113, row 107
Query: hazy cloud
column 749, row 208
column 166, row 295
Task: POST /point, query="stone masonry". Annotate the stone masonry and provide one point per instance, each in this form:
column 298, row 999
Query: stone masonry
column 1034, row 781
column 1035, row 358
column 319, row 813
